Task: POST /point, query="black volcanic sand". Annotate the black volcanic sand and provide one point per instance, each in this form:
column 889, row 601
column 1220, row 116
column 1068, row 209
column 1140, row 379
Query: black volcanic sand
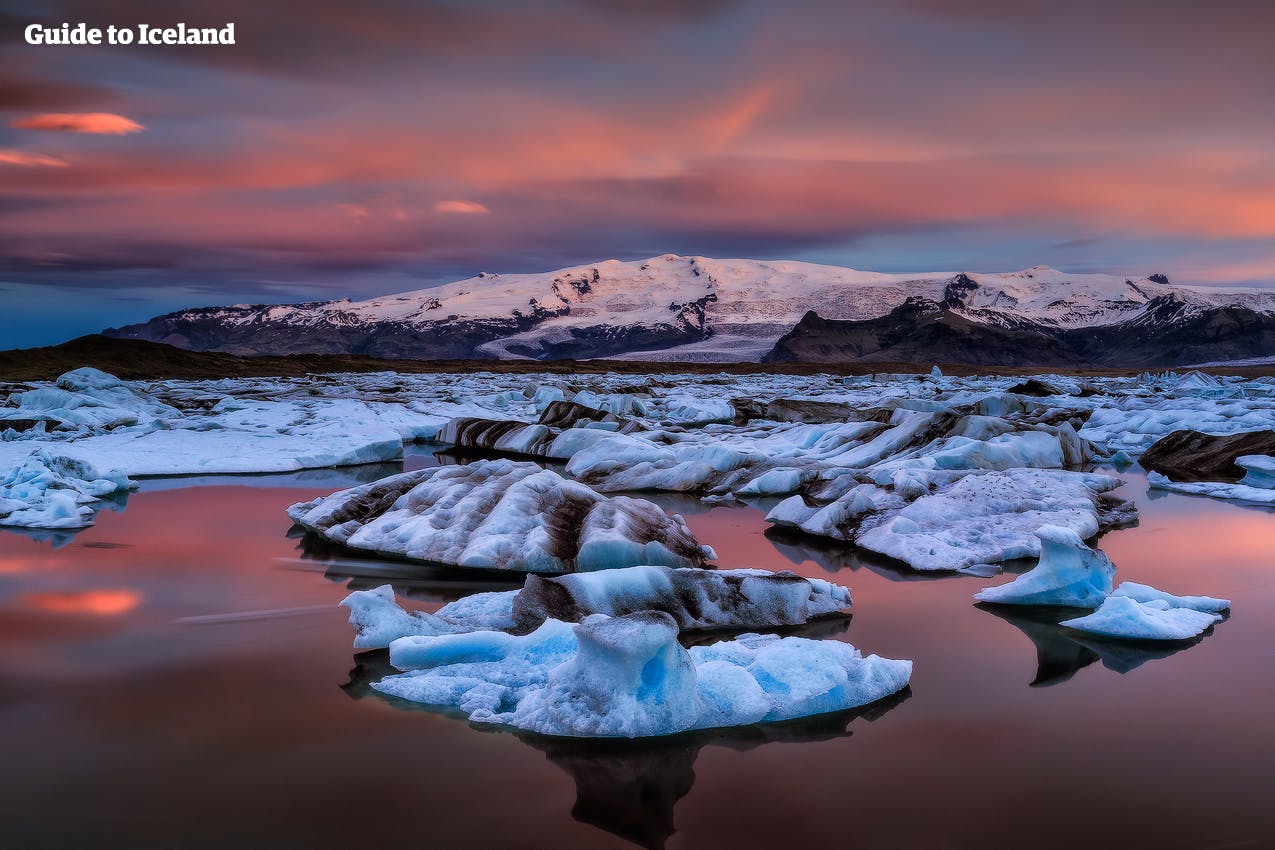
column 139, row 360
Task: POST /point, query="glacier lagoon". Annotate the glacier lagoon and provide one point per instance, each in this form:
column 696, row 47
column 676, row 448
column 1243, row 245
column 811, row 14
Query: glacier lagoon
column 180, row 669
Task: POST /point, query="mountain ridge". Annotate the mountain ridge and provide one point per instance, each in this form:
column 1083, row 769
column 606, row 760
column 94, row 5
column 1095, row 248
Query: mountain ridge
column 676, row 308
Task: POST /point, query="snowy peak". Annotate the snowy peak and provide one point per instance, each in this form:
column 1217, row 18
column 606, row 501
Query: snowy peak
column 672, row 307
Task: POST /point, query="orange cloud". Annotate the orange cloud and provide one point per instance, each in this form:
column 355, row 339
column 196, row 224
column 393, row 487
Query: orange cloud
column 30, row 160
column 97, row 123
column 461, row 207
column 103, row 603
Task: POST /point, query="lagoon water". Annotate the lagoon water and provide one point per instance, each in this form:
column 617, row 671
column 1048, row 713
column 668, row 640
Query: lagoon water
column 179, row 676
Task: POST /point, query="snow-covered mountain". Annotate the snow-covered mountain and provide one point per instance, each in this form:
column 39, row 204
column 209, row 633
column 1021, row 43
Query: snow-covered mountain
column 683, row 308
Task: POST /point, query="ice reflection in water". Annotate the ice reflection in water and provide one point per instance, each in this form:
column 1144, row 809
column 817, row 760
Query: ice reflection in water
column 631, row 788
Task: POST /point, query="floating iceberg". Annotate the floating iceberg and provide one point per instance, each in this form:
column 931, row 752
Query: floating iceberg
column 1126, row 618
column 1257, row 485
column 501, row 515
column 378, row 619
column 1069, row 573
column 989, row 517
column 52, row 491
column 628, row 677
column 694, row 598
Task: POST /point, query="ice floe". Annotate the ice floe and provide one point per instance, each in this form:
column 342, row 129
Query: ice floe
column 1146, row 593
column 629, row 677
column 1126, row 618
column 53, row 491
column 501, row 515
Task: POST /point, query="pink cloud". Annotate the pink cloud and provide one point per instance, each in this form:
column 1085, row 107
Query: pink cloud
column 96, row 123
column 461, row 207
column 30, row 160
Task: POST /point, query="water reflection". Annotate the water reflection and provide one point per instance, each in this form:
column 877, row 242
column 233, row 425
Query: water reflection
column 1061, row 651
column 833, row 556
column 426, row 582
column 630, row 788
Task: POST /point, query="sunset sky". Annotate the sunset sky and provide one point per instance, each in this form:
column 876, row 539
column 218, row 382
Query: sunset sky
column 352, row 149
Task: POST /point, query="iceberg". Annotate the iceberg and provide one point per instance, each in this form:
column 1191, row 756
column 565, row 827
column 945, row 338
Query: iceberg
column 694, row 598
column 378, row 620
column 1257, row 485
column 985, row 518
column 86, row 400
column 1069, row 573
column 501, row 515
column 1126, row 618
column 47, row 490
column 628, row 677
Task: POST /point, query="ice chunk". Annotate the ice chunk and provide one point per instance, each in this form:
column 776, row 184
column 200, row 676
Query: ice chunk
column 1214, row 489
column 1146, row 593
column 378, row 619
column 1125, row 617
column 776, row 482
column 629, row 677
column 986, row 518
column 503, row 515
column 695, row 598
column 1259, row 471
column 87, row 400
column 1069, row 573
column 48, row 490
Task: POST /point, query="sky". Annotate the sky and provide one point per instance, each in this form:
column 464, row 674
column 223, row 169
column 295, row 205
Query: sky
column 355, row 149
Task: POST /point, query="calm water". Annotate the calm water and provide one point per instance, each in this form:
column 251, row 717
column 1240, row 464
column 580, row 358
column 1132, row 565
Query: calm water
column 178, row 676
